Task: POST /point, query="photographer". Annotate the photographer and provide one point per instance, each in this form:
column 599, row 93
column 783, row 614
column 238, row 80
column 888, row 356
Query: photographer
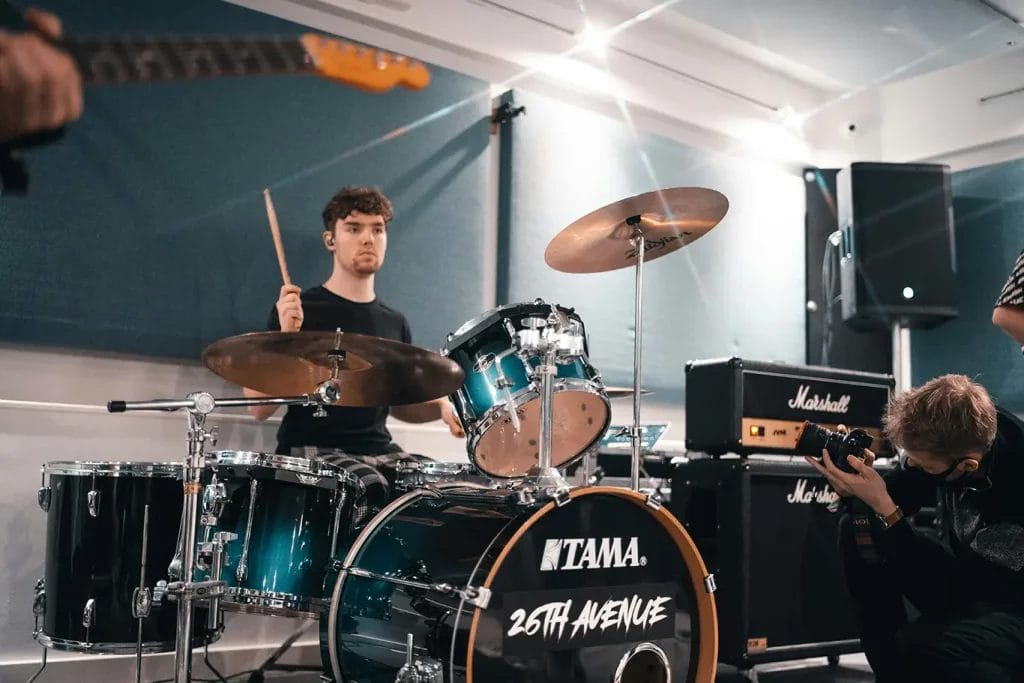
column 969, row 586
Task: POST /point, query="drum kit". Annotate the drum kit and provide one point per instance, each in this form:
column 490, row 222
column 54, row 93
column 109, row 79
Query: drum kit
column 492, row 570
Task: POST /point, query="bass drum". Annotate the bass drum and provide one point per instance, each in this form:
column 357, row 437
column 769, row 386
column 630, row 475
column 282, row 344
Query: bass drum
column 606, row 587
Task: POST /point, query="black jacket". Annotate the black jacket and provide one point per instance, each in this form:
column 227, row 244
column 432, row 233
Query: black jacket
column 981, row 524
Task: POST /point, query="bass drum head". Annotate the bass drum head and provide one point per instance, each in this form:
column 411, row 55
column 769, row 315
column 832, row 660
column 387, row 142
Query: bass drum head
column 604, row 585
column 604, row 588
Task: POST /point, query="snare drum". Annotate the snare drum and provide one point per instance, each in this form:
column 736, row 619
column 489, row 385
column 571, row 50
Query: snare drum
column 95, row 530
column 605, row 587
column 288, row 513
column 487, row 349
column 414, row 475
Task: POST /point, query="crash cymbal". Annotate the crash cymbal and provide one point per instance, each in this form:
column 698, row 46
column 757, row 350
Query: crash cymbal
column 375, row 371
column 619, row 392
column 670, row 219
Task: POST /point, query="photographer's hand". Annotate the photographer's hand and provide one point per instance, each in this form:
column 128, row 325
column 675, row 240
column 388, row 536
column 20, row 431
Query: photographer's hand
column 864, row 483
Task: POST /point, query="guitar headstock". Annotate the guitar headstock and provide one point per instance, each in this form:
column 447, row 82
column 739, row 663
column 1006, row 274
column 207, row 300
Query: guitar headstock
column 363, row 67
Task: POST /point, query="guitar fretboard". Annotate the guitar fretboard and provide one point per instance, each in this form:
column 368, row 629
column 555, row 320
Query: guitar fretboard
column 155, row 59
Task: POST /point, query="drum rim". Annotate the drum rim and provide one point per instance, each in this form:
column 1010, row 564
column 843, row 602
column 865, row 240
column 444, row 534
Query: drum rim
column 117, row 647
column 521, row 398
column 290, row 463
column 468, row 329
column 707, row 654
column 433, row 467
column 113, row 468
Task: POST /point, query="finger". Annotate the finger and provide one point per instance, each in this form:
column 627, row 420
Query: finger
column 290, row 289
column 44, row 22
column 857, row 464
column 869, row 458
column 815, row 464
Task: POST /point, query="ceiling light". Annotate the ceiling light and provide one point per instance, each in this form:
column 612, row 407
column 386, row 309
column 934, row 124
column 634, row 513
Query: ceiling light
column 594, row 39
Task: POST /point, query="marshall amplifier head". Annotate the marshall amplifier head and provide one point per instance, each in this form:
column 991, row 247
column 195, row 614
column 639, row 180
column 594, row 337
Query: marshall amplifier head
column 741, row 406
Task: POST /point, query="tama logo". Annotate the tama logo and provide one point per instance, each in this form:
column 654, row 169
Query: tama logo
column 591, row 553
column 817, row 403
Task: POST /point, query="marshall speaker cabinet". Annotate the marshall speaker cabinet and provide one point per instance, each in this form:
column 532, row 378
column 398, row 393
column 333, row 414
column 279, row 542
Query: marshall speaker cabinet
column 741, row 406
column 769, row 532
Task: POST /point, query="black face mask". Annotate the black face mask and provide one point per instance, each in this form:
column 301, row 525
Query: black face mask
column 940, row 479
column 937, row 479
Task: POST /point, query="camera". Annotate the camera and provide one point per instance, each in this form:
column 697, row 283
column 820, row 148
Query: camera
column 814, row 438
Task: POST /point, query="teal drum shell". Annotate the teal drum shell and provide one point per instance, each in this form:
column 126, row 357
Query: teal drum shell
column 289, row 514
column 582, row 592
column 485, row 349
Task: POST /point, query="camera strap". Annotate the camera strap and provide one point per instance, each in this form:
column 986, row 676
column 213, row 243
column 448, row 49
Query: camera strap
column 863, row 530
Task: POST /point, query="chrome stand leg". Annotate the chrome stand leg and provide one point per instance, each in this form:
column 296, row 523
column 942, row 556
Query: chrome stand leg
column 638, row 343
column 209, row 664
column 36, row 674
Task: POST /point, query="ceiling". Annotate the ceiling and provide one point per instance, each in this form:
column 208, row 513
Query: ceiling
column 686, row 67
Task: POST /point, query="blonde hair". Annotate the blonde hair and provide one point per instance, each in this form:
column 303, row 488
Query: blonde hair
column 948, row 416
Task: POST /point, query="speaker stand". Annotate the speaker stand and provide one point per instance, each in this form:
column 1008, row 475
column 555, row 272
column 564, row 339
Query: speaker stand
column 901, row 356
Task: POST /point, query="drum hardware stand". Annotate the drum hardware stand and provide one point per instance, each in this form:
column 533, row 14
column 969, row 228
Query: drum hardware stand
column 39, row 604
column 548, row 336
column 198, row 405
column 142, row 598
column 640, row 247
column 418, row 670
column 270, row 664
column 478, row 596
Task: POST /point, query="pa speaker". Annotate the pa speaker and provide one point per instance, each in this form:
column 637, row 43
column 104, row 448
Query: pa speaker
column 898, row 260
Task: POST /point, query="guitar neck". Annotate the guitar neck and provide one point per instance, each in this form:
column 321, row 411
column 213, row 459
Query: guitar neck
column 131, row 60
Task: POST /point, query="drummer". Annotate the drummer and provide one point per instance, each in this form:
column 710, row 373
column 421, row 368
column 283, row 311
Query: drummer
column 356, row 237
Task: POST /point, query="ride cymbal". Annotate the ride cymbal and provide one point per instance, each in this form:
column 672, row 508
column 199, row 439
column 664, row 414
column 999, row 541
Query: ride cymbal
column 669, row 219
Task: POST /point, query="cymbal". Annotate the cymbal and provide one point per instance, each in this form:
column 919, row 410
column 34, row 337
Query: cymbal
column 670, row 219
column 619, row 392
column 375, row 371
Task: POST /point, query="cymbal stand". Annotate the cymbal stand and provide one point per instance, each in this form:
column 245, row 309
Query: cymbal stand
column 639, row 245
column 198, row 405
column 554, row 339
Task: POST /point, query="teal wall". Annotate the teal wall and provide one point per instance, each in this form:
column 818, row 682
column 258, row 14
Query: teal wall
column 988, row 204
column 739, row 290
column 145, row 231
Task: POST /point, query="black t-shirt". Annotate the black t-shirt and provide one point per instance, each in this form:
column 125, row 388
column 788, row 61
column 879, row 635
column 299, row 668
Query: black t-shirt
column 354, row 430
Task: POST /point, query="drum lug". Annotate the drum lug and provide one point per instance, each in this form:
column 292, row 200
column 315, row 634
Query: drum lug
column 93, row 503
column 142, row 602
column 214, row 496
column 89, row 613
column 476, row 596
column 43, row 498
column 38, row 605
column 653, row 501
column 709, row 584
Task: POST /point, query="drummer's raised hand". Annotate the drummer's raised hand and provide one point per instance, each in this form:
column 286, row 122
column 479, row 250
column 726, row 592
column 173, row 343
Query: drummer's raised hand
column 289, row 309
column 449, row 417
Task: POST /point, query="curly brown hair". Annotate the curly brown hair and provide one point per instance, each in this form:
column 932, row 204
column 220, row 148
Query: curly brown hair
column 948, row 416
column 368, row 200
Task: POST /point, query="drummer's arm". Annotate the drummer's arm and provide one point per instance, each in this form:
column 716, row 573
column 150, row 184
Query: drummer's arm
column 428, row 411
column 438, row 409
column 261, row 413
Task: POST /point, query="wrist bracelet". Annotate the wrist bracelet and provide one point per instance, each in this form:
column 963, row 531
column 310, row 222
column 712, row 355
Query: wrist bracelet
column 890, row 519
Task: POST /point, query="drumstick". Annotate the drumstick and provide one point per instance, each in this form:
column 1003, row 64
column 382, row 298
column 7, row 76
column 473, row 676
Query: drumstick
column 275, row 231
